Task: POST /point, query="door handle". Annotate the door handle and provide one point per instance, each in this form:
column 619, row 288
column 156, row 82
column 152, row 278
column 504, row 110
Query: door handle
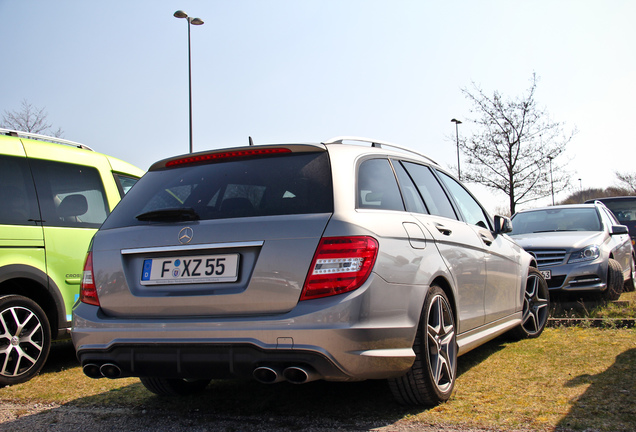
column 441, row 228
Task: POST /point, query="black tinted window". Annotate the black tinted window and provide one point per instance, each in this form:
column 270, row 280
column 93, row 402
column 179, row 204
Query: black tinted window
column 70, row 195
column 431, row 191
column 377, row 187
column 292, row 184
column 18, row 203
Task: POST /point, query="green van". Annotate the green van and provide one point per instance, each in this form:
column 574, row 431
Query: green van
column 54, row 195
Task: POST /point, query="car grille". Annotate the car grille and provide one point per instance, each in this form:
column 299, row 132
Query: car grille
column 548, row 257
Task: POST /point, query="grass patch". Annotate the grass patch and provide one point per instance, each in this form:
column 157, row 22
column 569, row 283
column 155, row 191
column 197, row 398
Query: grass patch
column 568, row 379
column 591, row 307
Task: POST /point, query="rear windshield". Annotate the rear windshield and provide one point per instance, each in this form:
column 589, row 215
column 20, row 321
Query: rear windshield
column 298, row 183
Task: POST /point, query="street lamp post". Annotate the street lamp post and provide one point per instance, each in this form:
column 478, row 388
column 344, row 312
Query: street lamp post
column 551, row 180
column 457, row 122
column 193, row 21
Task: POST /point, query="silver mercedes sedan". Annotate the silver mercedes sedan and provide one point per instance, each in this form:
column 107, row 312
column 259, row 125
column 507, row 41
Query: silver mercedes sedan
column 346, row 260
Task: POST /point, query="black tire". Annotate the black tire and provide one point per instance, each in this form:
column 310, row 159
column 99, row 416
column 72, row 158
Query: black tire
column 174, row 386
column 614, row 281
column 629, row 283
column 431, row 378
column 25, row 339
column 536, row 307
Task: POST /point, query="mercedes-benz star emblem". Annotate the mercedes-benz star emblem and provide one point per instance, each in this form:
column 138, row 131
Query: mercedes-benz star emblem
column 185, row 235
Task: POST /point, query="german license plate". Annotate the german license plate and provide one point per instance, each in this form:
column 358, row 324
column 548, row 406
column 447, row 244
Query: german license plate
column 190, row 269
column 547, row 274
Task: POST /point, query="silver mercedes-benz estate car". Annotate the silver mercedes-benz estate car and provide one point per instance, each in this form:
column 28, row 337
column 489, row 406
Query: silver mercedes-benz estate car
column 298, row 262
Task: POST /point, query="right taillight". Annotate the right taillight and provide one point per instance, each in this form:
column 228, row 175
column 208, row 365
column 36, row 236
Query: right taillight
column 340, row 265
column 88, row 291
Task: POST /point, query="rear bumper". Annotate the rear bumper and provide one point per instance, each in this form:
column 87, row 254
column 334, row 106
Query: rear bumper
column 366, row 334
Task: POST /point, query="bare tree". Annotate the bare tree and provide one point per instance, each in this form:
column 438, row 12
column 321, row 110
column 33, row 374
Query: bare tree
column 627, row 180
column 516, row 146
column 29, row 119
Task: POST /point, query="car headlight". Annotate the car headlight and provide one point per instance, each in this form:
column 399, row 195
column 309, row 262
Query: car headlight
column 589, row 253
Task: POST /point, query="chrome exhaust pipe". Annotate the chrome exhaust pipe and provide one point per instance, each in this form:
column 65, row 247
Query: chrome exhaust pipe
column 110, row 370
column 267, row 375
column 300, row 374
column 91, row 370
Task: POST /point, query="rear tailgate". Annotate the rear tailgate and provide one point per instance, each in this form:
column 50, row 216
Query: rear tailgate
column 273, row 255
column 222, row 233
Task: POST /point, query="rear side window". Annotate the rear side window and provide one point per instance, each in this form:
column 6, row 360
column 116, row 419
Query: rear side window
column 298, row 183
column 124, row 182
column 70, row 195
column 18, row 203
column 377, row 186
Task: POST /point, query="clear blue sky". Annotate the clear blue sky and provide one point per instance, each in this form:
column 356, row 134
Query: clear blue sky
column 113, row 74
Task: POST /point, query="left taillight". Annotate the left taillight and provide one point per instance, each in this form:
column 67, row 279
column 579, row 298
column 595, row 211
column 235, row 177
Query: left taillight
column 88, row 290
column 340, row 265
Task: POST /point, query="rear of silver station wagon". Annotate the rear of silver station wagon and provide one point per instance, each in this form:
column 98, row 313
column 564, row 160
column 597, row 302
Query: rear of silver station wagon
column 279, row 262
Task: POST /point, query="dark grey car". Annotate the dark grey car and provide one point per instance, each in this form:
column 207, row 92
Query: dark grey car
column 579, row 248
column 299, row 262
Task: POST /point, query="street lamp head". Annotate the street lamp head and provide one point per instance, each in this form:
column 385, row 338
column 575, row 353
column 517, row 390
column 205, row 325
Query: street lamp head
column 180, row 14
column 456, row 121
column 196, row 21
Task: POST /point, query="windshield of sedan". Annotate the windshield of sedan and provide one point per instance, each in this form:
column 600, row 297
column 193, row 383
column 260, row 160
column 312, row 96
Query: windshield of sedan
column 557, row 219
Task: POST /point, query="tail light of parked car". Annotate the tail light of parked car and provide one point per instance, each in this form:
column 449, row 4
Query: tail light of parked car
column 88, row 290
column 340, row 265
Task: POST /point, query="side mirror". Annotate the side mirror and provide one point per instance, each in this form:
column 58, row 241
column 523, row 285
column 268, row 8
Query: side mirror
column 503, row 225
column 618, row 230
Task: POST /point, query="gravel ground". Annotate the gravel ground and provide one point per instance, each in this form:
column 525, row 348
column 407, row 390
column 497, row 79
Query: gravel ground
column 17, row 417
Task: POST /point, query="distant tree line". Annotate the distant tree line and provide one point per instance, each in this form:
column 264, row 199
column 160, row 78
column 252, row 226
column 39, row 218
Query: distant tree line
column 626, row 187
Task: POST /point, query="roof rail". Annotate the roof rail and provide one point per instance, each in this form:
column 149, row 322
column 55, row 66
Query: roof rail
column 375, row 143
column 15, row 133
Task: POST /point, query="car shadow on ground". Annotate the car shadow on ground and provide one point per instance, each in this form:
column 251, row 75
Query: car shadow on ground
column 600, row 400
column 240, row 404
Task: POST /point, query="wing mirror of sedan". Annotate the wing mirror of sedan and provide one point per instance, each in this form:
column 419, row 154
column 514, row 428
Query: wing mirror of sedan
column 503, row 225
column 618, row 230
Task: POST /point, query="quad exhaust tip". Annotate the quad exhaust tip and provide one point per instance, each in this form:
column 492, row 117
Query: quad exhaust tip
column 108, row 370
column 293, row 374
column 91, row 370
column 300, row 374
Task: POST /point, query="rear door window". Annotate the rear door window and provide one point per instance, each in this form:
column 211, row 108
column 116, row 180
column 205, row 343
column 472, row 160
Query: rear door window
column 430, row 190
column 70, row 195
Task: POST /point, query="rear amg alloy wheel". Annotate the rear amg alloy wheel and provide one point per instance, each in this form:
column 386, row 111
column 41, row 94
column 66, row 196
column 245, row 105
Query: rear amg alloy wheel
column 536, row 306
column 614, row 281
column 25, row 339
column 174, row 386
column 432, row 377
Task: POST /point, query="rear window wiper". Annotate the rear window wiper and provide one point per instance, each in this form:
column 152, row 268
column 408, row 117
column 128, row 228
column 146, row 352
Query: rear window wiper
column 169, row 214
